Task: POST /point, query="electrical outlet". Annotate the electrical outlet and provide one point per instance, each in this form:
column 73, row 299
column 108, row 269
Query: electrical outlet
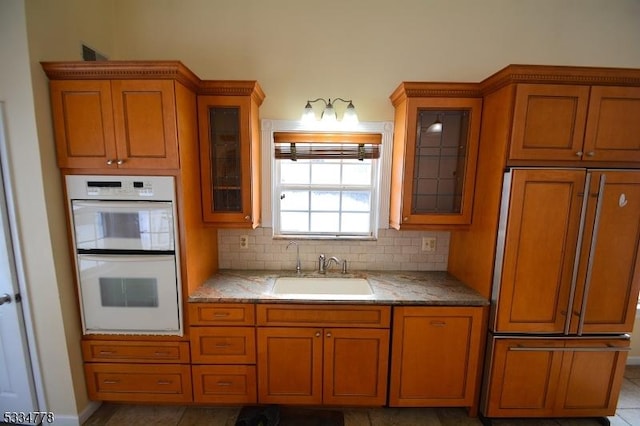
column 429, row 244
column 244, row 241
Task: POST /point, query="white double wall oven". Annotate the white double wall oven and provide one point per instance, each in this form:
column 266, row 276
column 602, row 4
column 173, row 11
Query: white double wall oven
column 124, row 233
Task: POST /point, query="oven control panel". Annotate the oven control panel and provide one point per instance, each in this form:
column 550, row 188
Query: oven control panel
column 157, row 188
column 120, row 187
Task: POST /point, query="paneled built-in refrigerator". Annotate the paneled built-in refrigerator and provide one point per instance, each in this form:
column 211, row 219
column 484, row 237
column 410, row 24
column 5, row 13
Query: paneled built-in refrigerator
column 566, row 281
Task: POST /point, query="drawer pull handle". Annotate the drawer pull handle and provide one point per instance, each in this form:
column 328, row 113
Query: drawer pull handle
column 164, row 382
column 223, row 384
column 111, row 382
column 222, row 345
column 221, row 314
column 107, row 352
column 438, row 323
column 158, row 353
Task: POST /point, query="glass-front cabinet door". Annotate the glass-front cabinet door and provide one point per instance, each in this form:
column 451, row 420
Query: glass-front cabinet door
column 434, row 160
column 229, row 159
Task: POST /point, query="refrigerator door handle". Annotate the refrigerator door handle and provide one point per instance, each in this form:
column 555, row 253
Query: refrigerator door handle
column 592, row 248
column 576, row 262
column 608, row 348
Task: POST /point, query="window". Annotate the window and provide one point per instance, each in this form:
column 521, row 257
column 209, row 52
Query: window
column 326, row 196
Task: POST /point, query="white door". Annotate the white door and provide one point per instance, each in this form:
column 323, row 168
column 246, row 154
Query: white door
column 17, row 390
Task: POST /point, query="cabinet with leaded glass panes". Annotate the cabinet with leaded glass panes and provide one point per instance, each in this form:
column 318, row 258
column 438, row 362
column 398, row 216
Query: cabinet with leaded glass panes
column 229, row 124
column 435, row 149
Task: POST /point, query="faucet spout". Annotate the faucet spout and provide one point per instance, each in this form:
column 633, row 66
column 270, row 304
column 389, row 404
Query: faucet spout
column 298, row 266
column 324, row 263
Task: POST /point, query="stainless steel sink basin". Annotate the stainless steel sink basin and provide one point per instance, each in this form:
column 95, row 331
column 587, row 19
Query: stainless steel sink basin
column 322, row 288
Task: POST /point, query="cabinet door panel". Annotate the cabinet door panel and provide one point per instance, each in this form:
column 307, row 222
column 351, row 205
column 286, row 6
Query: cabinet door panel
column 613, row 128
column 435, row 355
column 523, row 378
column 83, row 122
column 290, row 365
column 591, row 377
column 540, row 246
column 355, row 366
column 228, row 163
column 145, row 123
column 614, row 279
column 548, row 122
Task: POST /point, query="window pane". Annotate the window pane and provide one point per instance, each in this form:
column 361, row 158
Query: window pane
column 355, row 222
column 325, row 173
column 294, row 172
column 294, row 222
column 356, row 173
column 356, row 201
column 325, row 222
column 294, row 200
column 325, row 200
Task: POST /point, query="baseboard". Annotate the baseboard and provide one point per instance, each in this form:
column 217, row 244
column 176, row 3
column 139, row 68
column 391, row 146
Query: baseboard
column 91, row 408
column 633, row 360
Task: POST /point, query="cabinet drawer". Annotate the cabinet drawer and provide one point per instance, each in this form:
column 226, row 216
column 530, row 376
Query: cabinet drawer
column 135, row 382
column 223, row 345
column 323, row 315
column 132, row 351
column 229, row 384
column 221, row 314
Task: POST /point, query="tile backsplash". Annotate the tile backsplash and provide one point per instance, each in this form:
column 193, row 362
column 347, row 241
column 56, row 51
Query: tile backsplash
column 392, row 251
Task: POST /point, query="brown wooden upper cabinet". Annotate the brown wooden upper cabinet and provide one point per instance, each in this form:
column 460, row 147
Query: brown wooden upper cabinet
column 110, row 124
column 576, row 122
column 435, row 151
column 230, row 153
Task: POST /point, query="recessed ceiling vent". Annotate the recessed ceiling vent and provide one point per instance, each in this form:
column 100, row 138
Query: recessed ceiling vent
column 90, row 54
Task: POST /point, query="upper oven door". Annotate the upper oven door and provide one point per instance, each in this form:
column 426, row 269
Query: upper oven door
column 123, row 225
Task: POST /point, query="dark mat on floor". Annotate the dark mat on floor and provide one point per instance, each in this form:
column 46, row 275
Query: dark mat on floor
column 274, row 415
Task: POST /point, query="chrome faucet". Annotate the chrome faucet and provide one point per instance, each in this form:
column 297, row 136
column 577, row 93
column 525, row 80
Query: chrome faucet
column 324, row 263
column 298, row 267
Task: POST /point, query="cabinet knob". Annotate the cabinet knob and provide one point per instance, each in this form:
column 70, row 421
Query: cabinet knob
column 329, row 334
column 120, row 162
column 109, row 162
column 247, row 217
column 406, row 219
column 579, row 153
column 591, row 154
column 317, row 334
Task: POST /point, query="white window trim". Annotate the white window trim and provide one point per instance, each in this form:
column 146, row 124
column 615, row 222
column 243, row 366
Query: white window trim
column 385, row 128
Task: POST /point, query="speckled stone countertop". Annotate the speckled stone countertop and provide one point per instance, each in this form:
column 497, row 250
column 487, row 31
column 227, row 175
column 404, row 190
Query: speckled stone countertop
column 389, row 288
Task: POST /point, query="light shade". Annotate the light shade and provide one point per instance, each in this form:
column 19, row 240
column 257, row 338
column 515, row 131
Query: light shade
column 329, row 114
column 436, row 127
column 350, row 116
column 308, row 115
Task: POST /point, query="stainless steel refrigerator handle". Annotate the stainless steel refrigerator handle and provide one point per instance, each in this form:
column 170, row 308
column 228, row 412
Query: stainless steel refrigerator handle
column 592, row 248
column 576, row 261
column 562, row 349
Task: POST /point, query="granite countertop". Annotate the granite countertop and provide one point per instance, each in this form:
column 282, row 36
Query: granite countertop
column 389, row 288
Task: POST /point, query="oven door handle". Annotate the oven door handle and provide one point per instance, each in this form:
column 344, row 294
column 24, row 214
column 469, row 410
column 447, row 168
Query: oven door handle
column 127, row 258
column 117, row 205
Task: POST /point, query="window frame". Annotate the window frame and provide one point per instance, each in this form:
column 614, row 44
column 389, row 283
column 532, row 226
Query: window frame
column 268, row 127
column 373, row 188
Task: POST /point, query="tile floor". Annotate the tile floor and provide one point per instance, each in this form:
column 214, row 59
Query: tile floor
column 628, row 413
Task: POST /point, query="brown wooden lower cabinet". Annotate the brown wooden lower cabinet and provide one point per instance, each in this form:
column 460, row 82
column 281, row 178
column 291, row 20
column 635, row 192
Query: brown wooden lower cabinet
column 139, row 382
column 314, row 366
column 435, row 356
column 554, row 377
column 322, row 354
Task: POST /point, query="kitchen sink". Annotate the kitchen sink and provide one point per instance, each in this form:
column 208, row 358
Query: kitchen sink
column 322, row 288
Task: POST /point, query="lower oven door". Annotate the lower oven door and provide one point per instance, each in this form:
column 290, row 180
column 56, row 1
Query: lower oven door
column 129, row 294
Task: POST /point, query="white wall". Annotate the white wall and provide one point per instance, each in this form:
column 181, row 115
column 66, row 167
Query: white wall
column 359, row 49
column 362, row 49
